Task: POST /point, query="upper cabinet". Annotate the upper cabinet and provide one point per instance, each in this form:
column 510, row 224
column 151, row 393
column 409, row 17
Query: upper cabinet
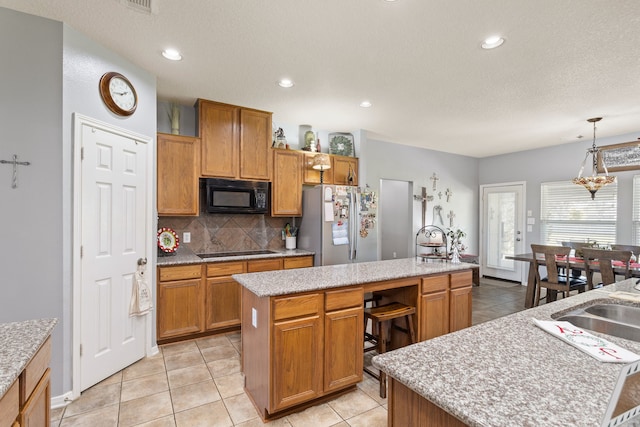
column 286, row 190
column 235, row 141
column 312, row 176
column 345, row 170
column 178, row 171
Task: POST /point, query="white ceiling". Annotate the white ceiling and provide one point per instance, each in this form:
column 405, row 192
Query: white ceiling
column 418, row 61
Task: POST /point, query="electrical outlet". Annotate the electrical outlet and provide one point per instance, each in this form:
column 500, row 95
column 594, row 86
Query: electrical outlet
column 186, row 237
column 254, row 317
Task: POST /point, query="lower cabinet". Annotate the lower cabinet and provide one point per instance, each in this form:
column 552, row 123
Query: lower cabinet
column 35, row 412
column 222, row 295
column 343, row 347
column 409, row 409
column 460, row 301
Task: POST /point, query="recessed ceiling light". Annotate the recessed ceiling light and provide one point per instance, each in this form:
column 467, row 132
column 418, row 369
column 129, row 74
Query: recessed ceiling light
column 492, row 42
column 285, row 83
column 366, row 104
column 172, row 54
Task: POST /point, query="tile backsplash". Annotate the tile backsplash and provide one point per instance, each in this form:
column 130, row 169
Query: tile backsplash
column 223, row 233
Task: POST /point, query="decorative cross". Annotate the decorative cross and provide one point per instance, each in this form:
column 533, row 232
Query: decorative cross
column 15, row 163
column 449, row 193
column 435, row 179
column 440, row 195
column 424, row 198
column 451, row 216
column 437, row 211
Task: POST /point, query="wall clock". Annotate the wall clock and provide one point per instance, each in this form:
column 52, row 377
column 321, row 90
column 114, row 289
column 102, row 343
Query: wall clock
column 118, row 93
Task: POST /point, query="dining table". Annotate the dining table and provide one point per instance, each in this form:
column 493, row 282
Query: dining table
column 575, row 263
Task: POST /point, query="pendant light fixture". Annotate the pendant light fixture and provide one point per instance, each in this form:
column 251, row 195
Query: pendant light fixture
column 594, row 182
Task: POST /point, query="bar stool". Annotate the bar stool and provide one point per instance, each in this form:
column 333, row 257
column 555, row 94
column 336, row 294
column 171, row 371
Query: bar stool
column 379, row 316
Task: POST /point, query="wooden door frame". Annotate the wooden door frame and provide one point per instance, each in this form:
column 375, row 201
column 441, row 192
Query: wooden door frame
column 76, row 276
column 481, row 259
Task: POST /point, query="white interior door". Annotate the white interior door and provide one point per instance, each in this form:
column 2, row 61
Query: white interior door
column 502, row 230
column 114, row 233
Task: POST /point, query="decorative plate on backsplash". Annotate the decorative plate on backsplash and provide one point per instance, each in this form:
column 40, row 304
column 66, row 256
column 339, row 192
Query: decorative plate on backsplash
column 167, row 240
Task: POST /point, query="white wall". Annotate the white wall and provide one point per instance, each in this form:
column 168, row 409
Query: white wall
column 50, row 71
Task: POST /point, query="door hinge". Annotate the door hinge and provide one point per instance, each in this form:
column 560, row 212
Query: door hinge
column 81, row 350
column 82, row 153
column 81, row 251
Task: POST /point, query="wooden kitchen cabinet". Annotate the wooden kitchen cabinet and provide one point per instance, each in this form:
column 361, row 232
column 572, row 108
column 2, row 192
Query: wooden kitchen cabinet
column 286, row 188
column 434, row 318
column 222, row 295
column 10, row 406
column 36, row 410
column 235, row 141
column 297, row 350
column 343, row 338
column 180, row 301
column 345, row 170
column 312, row 176
column 460, row 300
column 178, row 170
column 298, row 262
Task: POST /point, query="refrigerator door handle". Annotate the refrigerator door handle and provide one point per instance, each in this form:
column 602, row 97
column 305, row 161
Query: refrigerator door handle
column 353, row 228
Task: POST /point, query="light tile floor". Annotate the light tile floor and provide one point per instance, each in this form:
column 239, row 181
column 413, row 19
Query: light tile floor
column 198, row 383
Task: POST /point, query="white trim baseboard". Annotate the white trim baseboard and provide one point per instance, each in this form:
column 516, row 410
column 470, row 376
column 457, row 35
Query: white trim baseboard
column 62, row 400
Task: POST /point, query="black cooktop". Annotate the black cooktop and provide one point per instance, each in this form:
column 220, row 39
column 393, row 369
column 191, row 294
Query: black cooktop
column 239, row 253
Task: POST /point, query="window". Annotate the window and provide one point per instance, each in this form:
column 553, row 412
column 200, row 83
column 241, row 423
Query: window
column 567, row 213
column 636, row 210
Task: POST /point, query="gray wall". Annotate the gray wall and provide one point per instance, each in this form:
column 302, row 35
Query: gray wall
column 558, row 163
column 53, row 72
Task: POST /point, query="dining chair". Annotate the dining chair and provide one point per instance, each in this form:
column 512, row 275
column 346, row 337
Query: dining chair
column 554, row 258
column 601, row 260
column 634, row 249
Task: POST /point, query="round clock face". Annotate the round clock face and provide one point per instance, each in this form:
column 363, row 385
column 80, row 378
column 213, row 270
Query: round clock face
column 118, row 94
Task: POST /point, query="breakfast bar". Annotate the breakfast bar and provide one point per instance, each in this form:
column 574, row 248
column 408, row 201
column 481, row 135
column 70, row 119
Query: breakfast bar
column 302, row 333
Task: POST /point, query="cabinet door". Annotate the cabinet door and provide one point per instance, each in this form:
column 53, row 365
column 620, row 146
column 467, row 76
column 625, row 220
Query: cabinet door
column 286, row 193
column 255, row 144
column 178, row 172
column 180, row 308
column 219, row 135
column 434, row 316
column 311, row 176
column 460, row 308
column 345, row 170
column 222, row 303
column 297, row 353
column 36, row 411
column 343, row 348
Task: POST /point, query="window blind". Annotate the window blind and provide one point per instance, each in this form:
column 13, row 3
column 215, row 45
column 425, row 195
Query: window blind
column 567, row 213
column 636, row 210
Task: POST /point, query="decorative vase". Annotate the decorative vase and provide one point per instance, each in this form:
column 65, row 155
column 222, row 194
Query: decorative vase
column 455, row 254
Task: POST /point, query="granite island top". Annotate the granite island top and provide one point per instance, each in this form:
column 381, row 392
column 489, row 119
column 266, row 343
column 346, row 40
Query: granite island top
column 19, row 342
column 283, row 282
column 509, row 372
column 185, row 256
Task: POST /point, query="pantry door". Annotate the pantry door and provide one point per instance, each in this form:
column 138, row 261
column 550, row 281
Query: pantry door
column 502, row 231
column 114, row 233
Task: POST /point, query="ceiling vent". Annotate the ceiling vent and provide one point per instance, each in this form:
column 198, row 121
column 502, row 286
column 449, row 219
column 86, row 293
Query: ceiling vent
column 148, row 6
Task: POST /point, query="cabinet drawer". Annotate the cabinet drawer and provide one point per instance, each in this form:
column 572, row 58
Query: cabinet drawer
column 225, row 268
column 298, row 262
column 435, row 283
column 462, row 279
column 9, row 406
column 264, row 265
column 346, row 298
column 35, row 369
column 168, row 274
column 302, row 305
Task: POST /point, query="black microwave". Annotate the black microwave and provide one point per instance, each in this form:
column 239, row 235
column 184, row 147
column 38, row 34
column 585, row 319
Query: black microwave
column 230, row 196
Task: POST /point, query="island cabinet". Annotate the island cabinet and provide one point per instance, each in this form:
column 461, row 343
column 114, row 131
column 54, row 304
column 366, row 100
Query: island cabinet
column 27, row 402
column 286, row 189
column 315, row 346
column 445, row 304
column 235, row 141
column 177, row 173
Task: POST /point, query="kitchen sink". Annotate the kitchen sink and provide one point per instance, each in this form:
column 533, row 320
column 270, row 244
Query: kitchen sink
column 238, row 253
column 612, row 319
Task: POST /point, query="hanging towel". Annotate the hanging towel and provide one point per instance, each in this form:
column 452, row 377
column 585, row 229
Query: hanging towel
column 140, row 293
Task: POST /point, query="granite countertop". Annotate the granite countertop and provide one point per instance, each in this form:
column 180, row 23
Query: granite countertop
column 510, row 372
column 19, row 342
column 283, row 282
column 185, row 256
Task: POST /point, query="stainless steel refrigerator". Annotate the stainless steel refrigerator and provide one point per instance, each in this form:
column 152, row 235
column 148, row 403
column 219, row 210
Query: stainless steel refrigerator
column 338, row 224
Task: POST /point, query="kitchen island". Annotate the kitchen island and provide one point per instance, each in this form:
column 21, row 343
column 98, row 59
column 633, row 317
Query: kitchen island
column 25, row 352
column 302, row 334
column 506, row 372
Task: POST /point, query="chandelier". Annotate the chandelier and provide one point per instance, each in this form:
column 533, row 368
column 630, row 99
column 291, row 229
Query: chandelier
column 594, row 182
